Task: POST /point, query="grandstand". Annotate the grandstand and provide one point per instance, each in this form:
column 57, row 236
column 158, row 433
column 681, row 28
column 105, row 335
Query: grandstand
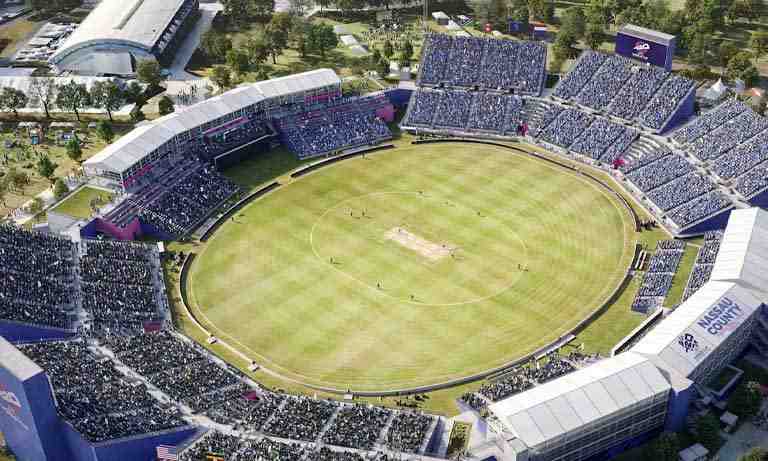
column 164, row 170
column 115, row 35
column 608, row 111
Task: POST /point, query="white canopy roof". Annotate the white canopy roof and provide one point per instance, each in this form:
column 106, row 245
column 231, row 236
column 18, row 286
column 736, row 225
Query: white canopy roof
column 584, row 396
column 698, row 326
column 743, row 254
column 716, row 91
column 135, row 22
column 134, row 146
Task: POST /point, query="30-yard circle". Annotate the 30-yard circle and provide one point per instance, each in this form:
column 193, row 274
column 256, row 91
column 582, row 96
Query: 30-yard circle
column 515, row 250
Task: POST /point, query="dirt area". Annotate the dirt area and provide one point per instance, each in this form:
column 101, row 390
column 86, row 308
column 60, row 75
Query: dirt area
column 430, row 250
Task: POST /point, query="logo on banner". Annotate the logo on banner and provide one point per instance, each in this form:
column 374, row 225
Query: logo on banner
column 11, row 405
column 723, row 317
column 641, row 50
column 688, row 343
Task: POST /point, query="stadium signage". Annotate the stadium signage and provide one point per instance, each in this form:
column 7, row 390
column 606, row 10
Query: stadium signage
column 719, row 318
column 11, row 405
column 640, row 50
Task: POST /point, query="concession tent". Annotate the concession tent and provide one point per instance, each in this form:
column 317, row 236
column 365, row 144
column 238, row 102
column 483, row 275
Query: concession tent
column 716, row 91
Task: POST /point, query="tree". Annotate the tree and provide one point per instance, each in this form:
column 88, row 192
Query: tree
column 137, row 114
column 107, row 95
column 665, row 447
column 72, row 97
column 3, row 189
column 17, row 179
column 593, row 36
column 104, row 131
column 36, row 206
column 388, row 50
column 148, row 71
column 407, row 49
column 725, row 52
column 46, row 168
column 383, row 67
column 42, row 93
column 758, row 41
column 276, row 40
column 756, row 454
column 215, row 45
column 165, row 106
column 375, row 57
column 698, row 50
column 237, row 61
column 12, row 100
column 745, row 401
column 74, row 150
column 740, row 66
column 518, row 11
column 134, row 93
column 707, row 430
column 563, row 46
column 60, row 189
column 574, row 22
column 324, row 39
column 257, row 50
column 221, row 76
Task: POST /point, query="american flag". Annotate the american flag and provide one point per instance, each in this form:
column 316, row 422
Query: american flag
column 166, row 453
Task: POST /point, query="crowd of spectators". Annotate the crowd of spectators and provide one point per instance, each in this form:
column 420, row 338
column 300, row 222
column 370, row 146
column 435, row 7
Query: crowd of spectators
column 659, row 172
column 335, row 128
column 357, row 426
column 176, row 368
column 453, row 109
column 36, row 277
column 753, row 182
column 177, row 209
column 628, row 165
column 658, row 277
column 665, row 101
column 487, row 63
column 495, row 113
column 743, row 158
column 700, row 208
column 680, row 191
column 249, row 410
column 569, row 125
column 408, row 432
column 300, row 418
column 120, row 285
column 732, row 133
column 582, row 72
column 526, row 377
column 210, row 146
column 640, row 87
column 705, row 260
column 710, row 121
column 601, row 136
column 95, row 398
column 424, row 105
column 606, row 83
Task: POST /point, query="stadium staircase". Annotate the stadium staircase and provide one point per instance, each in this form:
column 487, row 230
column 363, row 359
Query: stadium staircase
column 533, row 112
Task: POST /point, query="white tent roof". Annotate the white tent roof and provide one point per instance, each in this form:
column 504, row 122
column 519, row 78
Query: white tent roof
column 136, row 22
column 716, row 91
column 134, row 146
column 743, row 254
column 579, row 398
column 698, row 326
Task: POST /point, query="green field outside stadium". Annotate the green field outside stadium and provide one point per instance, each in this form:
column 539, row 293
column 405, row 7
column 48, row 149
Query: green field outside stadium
column 411, row 266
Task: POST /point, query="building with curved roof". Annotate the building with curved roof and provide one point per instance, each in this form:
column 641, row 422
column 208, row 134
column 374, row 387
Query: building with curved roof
column 117, row 33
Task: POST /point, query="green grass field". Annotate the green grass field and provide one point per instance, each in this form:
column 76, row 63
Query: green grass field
column 79, row 203
column 265, row 282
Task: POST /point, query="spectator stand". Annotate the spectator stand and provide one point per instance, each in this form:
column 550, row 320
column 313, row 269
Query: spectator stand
column 705, row 260
column 38, row 285
column 658, row 276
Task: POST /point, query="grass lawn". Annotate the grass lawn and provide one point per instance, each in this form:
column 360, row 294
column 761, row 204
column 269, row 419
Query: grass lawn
column 78, row 204
column 23, row 157
column 676, row 292
column 16, row 32
column 294, row 311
